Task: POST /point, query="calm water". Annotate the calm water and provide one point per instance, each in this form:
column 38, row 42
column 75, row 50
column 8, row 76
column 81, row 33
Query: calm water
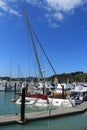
column 75, row 122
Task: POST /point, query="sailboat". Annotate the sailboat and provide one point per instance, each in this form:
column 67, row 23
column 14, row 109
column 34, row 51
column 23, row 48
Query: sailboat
column 12, row 86
column 42, row 99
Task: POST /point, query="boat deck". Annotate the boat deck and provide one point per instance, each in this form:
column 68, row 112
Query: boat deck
column 15, row 118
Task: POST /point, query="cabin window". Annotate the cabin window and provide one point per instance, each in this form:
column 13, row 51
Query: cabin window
column 73, row 94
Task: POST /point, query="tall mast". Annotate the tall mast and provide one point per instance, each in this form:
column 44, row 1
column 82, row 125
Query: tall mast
column 10, row 72
column 33, row 44
column 18, row 72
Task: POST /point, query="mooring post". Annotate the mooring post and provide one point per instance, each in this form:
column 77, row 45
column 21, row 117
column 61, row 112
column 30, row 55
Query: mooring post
column 23, row 105
column 6, row 86
column 62, row 91
column 15, row 88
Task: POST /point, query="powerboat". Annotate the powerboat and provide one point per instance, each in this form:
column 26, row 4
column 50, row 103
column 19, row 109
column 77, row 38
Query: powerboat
column 79, row 94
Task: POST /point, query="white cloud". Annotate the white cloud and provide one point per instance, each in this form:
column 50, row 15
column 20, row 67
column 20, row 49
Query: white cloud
column 54, row 25
column 59, row 8
column 58, row 16
column 64, row 5
column 51, row 23
column 57, row 5
column 54, row 9
column 3, row 5
column 35, row 2
column 6, row 8
column 15, row 12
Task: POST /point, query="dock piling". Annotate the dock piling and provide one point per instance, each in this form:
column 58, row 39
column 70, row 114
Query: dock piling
column 22, row 118
column 15, row 88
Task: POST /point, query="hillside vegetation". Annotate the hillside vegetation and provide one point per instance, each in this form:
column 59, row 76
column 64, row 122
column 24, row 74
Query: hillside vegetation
column 78, row 76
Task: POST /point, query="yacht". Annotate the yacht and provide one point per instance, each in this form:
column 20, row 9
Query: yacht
column 79, row 94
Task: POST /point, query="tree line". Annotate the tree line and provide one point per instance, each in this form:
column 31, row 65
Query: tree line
column 78, row 76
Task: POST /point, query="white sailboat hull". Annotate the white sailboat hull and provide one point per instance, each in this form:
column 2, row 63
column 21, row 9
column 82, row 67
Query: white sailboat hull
column 50, row 102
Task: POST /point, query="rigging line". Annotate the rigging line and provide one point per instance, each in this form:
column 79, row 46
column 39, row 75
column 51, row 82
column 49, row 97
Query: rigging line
column 32, row 40
column 44, row 52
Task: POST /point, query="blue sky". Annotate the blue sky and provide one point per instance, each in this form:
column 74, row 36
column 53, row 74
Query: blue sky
column 61, row 26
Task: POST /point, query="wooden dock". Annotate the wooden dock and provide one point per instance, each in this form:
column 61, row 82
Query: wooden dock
column 15, row 118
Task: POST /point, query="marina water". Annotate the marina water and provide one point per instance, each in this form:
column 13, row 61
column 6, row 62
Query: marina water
column 72, row 122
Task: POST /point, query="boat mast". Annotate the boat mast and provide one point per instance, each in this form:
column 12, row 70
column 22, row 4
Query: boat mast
column 10, row 72
column 33, row 44
column 18, row 73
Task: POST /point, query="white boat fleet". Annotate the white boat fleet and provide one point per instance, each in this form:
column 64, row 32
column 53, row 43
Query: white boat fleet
column 76, row 95
column 9, row 86
column 73, row 94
